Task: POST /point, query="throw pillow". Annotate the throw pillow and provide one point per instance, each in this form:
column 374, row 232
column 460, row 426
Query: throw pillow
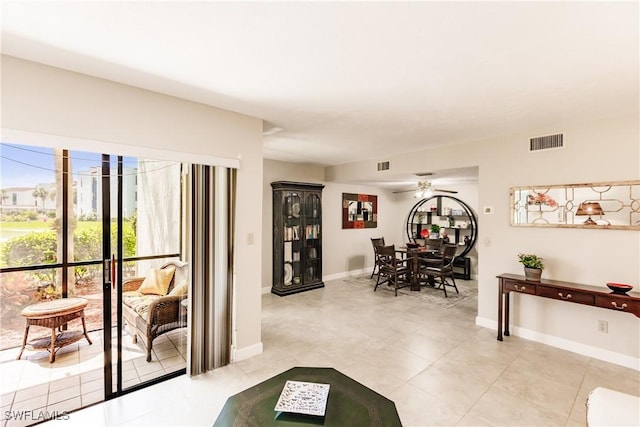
column 180, row 290
column 157, row 281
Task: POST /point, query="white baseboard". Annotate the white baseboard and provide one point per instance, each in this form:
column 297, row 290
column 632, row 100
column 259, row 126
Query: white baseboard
column 573, row 346
column 487, row 323
column 247, row 352
column 347, row 274
column 352, row 273
column 267, row 289
column 342, row 275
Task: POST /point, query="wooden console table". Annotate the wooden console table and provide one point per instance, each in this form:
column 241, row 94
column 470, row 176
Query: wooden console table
column 596, row 296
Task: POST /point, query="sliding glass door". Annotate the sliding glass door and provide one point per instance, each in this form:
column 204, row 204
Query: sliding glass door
column 142, row 198
column 84, row 225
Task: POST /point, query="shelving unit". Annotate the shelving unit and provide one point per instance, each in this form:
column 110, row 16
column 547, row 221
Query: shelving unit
column 455, row 217
column 297, row 237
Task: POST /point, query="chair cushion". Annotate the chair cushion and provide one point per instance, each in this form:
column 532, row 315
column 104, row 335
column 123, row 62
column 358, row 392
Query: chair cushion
column 139, row 302
column 157, row 281
column 181, row 289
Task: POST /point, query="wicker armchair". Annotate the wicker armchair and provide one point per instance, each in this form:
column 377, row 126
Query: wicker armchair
column 152, row 315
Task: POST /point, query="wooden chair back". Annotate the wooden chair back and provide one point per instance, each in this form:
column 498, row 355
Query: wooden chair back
column 449, row 254
column 433, row 244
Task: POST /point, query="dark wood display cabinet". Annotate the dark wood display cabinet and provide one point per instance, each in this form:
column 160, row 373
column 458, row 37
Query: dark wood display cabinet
column 455, row 217
column 297, row 237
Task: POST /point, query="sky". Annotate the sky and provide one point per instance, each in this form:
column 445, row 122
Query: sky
column 28, row 166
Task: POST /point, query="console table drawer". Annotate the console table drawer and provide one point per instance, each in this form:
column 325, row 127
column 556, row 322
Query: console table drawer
column 566, row 295
column 618, row 303
column 525, row 288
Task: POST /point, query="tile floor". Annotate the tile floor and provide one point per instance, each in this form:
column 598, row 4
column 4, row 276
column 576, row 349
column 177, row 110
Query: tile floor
column 435, row 363
column 75, row 379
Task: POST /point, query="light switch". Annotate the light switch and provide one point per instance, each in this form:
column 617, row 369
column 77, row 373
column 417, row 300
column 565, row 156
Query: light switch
column 250, row 239
column 487, row 241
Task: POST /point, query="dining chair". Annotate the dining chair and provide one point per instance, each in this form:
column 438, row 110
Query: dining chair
column 441, row 268
column 375, row 242
column 433, row 244
column 395, row 271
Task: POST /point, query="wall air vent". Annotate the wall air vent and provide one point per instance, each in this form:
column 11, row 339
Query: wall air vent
column 546, row 142
column 383, row 166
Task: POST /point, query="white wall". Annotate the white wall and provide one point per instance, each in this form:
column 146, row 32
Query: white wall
column 350, row 250
column 596, row 151
column 96, row 115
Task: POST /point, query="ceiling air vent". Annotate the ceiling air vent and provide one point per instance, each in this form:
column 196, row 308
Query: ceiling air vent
column 383, row 166
column 546, row 142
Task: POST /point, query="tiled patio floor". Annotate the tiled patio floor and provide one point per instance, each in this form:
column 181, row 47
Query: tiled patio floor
column 75, row 379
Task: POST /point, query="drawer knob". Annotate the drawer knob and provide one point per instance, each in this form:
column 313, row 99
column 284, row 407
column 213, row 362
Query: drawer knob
column 520, row 288
column 568, row 296
column 622, row 307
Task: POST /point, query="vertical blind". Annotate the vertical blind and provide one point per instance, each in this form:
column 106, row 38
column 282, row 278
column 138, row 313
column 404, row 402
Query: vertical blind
column 210, row 214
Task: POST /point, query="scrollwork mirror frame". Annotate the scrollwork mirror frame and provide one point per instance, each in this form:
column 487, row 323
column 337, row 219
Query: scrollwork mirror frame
column 557, row 205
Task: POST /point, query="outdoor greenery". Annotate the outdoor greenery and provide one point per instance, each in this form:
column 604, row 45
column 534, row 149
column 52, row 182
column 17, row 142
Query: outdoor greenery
column 40, row 247
column 19, row 216
column 40, row 193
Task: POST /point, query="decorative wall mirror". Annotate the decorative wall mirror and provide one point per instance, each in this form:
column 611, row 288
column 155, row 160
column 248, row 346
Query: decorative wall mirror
column 604, row 205
column 359, row 210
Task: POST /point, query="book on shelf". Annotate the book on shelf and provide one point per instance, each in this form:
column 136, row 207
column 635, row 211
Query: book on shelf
column 292, row 233
column 288, row 252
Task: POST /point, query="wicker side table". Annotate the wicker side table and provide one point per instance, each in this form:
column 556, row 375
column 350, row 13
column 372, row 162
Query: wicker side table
column 54, row 314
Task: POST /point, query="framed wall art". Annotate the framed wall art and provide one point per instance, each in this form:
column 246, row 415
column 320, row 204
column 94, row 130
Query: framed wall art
column 359, row 210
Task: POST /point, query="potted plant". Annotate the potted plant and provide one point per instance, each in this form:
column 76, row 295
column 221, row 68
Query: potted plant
column 434, row 230
column 533, row 266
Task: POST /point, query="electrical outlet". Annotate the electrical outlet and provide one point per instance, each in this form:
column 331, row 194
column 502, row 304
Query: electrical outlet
column 603, row 326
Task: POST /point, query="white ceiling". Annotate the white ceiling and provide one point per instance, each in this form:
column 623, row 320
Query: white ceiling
column 359, row 80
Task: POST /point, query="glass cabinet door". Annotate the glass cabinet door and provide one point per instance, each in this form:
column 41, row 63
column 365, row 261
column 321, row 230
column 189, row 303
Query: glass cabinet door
column 313, row 249
column 292, row 238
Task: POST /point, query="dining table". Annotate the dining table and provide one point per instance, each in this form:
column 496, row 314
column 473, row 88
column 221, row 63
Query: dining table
column 414, row 255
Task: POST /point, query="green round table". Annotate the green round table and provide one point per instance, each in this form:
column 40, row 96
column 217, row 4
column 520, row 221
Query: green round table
column 349, row 403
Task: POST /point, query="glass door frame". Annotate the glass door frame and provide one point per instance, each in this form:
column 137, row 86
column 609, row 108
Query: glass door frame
column 113, row 262
column 110, row 279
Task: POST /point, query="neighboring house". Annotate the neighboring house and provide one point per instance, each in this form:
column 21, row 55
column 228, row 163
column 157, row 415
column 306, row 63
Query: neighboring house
column 88, row 194
column 22, row 198
column 89, row 191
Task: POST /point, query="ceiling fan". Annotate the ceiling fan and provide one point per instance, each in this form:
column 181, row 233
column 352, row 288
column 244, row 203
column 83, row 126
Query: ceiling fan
column 424, row 190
